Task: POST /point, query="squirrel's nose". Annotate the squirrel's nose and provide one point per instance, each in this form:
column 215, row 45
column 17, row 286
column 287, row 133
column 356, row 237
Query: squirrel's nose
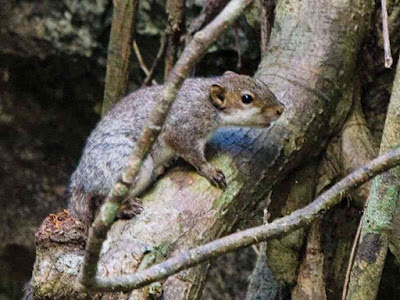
column 280, row 109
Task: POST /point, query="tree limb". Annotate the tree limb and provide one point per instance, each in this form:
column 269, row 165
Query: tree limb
column 297, row 219
column 142, row 65
column 268, row 7
column 383, row 199
column 176, row 27
column 119, row 52
column 157, row 60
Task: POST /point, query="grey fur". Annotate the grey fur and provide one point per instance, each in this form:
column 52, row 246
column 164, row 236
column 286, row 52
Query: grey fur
column 190, row 123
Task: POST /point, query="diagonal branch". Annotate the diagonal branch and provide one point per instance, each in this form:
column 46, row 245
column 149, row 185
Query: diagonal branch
column 106, row 217
column 299, row 218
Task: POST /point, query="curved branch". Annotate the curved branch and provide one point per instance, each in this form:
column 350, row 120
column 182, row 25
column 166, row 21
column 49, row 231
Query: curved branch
column 299, row 218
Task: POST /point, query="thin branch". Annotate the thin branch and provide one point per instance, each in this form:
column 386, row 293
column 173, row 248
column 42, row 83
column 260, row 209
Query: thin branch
column 156, row 62
column 238, row 47
column 140, row 60
column 211, row 8
column 299, row 218
column 119, row 52
column 268, row 7
column 353, row 255
column 176, row 26
column 386, row 39
column 106, row 217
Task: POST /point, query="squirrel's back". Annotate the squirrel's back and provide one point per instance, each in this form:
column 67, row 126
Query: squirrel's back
column 112, row 141
column 201, row 106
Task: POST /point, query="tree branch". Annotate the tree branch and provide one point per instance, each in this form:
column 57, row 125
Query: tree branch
column 386, row 39
column 157, row 60
column 141, row 62
column 268, row 7
column 106, row 217
column 299, row 218
column 119, row 52
column 383, row 199
column 176, row 26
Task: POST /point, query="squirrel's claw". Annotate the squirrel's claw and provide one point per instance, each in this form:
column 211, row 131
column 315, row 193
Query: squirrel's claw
column 215, row 176
column 130, row 209
column 220, row 179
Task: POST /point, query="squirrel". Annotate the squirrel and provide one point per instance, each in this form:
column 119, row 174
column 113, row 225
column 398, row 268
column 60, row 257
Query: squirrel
column 202, row 105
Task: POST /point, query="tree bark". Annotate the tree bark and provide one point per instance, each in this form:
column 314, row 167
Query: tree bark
column 384, row 196
column 119, row 52
column 296, row 191
column 310, row 63
column 176, row 25
column 311, row 279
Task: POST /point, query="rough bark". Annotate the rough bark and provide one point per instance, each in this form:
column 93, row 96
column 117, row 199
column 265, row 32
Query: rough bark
column 262, row 283
column 182, row 210
column 268, row 7
column 119, row 52
column 372, row 249
column 311, row 279
column 356, row 146
column 296, row 191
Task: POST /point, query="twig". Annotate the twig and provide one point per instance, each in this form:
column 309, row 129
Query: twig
column 299, row 218
column 156, row 62
column 98, row 232
column 386, row 39
column 140, row 60
column 256, row 250
column 210, row 9
column 353, row 254
column 238, row 47
column 119, row 52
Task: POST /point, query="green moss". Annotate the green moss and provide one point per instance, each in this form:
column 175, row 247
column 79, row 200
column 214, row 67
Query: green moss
column 383, row 202
column 108, row 212
column 226, row 198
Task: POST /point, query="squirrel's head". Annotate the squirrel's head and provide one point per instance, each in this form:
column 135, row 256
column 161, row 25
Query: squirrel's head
column 244, row 101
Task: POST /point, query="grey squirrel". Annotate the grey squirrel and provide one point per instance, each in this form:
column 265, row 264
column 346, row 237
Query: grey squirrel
column 202, row 105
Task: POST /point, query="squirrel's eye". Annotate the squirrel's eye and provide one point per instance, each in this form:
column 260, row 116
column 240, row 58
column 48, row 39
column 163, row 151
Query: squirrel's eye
column 246, row 98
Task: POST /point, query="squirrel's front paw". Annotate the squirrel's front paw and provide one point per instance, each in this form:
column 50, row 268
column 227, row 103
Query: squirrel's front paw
column 215, row 176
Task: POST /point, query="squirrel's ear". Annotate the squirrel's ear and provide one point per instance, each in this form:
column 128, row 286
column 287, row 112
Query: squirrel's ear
column 230, row 73
column 217, row 95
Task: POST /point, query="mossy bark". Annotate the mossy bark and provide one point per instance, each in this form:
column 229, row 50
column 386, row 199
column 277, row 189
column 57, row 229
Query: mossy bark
column 384, row 196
